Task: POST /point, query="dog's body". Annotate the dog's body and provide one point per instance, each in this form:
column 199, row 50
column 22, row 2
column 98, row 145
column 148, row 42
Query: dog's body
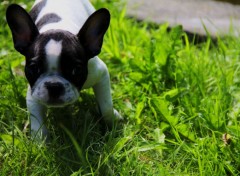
column 65, row 15
column 61, row 40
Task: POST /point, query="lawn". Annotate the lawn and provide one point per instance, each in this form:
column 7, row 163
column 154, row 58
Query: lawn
column 180, row 100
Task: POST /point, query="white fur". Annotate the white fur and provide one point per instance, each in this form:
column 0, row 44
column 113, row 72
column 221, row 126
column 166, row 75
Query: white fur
column 37, row 112
column 53, row 50
column 96, row 69
column 72, row 12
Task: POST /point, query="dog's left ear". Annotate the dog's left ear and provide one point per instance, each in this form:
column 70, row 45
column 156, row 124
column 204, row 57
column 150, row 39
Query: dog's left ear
column 23, row 29
column 92, row 33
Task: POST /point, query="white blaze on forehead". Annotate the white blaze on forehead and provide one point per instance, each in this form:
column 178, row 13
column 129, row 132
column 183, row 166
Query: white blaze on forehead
column 53, row 50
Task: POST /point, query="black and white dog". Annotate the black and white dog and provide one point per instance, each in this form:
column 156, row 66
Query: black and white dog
column 60, row 40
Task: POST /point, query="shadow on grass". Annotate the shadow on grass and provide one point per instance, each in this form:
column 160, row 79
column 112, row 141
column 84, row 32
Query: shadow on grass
column 78, row 135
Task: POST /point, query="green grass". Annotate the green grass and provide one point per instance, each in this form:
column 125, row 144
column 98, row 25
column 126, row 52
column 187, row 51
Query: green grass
column 178, row 100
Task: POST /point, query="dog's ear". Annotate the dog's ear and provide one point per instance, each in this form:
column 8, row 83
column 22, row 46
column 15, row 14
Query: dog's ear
column 23, row 29
column 92, row 33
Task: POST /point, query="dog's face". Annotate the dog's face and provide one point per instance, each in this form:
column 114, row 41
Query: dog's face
column 56, row 60
column 56, row 67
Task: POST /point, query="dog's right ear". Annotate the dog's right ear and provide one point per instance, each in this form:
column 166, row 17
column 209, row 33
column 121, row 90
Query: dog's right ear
column 24, row 31
column 92, row 33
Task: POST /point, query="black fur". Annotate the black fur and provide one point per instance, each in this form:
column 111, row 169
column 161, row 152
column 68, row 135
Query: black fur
column 23, row 29
column 37, row 9
column 46, row 19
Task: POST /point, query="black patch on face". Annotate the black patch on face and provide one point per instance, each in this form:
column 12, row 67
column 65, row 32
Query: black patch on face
column 36, row 60
column 72, row 61
column 37, row 9
column 46, row 19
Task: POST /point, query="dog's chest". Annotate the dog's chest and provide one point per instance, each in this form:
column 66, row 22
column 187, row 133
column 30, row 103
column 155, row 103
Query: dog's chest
column 68, row 15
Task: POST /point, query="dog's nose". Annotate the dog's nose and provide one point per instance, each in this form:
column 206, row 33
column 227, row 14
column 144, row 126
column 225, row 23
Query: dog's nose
column 55, row 89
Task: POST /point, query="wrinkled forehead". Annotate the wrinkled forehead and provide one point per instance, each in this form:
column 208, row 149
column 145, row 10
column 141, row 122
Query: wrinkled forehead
column 54, row 46
column 51, row 42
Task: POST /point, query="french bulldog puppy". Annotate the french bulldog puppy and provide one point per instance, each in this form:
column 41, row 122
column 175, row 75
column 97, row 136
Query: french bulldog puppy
column 60, row 40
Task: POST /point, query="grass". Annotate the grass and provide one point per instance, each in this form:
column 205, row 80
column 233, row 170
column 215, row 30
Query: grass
column 180, row 102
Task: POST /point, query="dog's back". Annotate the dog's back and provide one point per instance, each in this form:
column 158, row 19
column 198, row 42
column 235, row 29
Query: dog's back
column 68, row 15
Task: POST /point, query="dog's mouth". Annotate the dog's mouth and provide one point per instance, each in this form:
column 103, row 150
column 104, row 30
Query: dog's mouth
column 55, row 103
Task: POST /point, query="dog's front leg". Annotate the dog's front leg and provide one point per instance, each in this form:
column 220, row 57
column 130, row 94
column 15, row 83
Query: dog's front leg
column 37, row 112
column 102, row 91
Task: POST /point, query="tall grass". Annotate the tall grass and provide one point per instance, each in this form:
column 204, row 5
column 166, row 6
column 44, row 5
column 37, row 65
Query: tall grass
column 180, row 102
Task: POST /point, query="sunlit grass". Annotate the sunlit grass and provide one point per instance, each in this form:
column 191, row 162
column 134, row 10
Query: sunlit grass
column 180, row 103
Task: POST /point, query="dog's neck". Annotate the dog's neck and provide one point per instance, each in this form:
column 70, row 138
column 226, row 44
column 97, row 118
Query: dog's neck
column 65, row 17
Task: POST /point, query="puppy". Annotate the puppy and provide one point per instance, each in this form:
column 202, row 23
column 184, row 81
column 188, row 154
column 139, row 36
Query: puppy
column 60, row 40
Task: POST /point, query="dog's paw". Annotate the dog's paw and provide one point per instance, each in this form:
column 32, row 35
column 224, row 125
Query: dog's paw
column 40, row 137
column 117, row 115
column 113, row 119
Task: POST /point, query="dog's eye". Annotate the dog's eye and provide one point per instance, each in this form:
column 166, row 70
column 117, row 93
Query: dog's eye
column 32, row 72
column 33, row 68
column 76, row 71
column 73, row 71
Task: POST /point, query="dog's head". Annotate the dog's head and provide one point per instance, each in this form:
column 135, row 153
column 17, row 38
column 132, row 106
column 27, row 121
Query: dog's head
column 56, row 60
